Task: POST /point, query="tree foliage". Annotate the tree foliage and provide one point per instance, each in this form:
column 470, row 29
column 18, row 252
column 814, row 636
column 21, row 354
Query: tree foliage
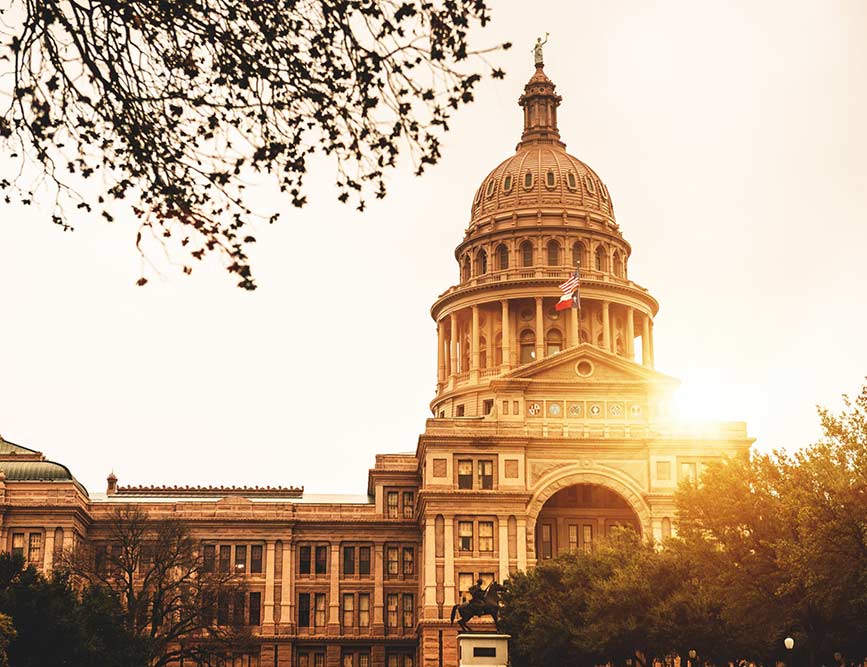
column 46, row 623
column 171, row 106
column 166, row 591
column 768, row 546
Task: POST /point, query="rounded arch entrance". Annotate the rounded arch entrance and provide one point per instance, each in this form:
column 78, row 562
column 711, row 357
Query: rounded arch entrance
column 572, row 506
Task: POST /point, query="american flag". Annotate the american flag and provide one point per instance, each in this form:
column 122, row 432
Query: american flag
column 570, row 298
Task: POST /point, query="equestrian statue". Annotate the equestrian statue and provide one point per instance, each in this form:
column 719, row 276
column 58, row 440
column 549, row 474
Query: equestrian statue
column 482, row 602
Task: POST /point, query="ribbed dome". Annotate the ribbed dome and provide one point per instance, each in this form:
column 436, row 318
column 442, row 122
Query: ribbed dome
column 541, row 174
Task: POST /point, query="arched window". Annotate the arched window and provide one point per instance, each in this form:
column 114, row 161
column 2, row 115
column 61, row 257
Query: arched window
column 553, row 253
column 553, row 342
column 498, row 349
column 481, row 263
column 550, row 179
column 577, row 253
column 483, row 352
column 618, row 265
column 502, row 257
column 601, row 263
column 526, row 254
column 528, row 180
column 465, row 270
column 527, row 346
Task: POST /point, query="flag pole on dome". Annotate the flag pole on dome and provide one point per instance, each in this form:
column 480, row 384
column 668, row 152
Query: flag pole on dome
column 571, row 297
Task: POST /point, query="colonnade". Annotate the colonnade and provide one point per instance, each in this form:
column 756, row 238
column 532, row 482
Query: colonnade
column 454, row 364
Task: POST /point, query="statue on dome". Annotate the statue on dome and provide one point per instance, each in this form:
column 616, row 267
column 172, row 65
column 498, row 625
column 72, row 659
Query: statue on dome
column 537, row 50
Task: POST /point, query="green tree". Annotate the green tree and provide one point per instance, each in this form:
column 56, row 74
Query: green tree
column 171, row 106
column 52, row 625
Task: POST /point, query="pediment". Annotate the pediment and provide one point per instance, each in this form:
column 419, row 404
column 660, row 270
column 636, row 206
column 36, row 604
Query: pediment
column 587, row 364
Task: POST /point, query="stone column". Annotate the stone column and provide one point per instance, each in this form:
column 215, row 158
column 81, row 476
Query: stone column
column 650, row 341
column 503, row 546
column 334, row 588
column 430, row 569
column 377, row 586
column 453, row 344
column 48, row 551
column 606, row 327
column 474, row 334
column 540, row 329
column 441, row 352
column 630, row 334
column 645, row 340
column 507, row 335
column 575, row 328
column 522, row 544
column 287, row 592
column 268, row 616
column 449, row 563
column 490, row 347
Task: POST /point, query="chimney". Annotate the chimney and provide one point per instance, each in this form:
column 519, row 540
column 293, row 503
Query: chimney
column 112, row 484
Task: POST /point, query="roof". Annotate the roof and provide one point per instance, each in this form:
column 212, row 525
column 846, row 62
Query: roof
column 22, row 464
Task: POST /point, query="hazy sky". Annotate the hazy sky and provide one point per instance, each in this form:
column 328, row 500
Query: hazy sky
column 731, row 135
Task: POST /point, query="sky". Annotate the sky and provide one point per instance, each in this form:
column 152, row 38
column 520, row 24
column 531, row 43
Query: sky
column 731, row 136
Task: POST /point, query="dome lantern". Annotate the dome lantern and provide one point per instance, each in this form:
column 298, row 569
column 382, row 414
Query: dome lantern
column 540, row 102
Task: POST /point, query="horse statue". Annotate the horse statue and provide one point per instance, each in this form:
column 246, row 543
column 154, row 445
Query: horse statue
column 486, row 604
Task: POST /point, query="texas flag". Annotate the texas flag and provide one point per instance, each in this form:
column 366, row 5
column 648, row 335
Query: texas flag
column 570, row 298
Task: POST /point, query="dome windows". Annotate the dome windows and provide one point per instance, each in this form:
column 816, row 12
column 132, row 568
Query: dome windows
column 489, row 191
column 577, row 253
column 481, row 263
column 589, row 184
column 601, row 263
column 502, row 257
column 465, row 269
column 528, row 180
column 526, row 254
column 527, row 346
column 571, row 181
column 603, row 191
column 550, row 179
column 553, row 253
column 618, row 265
column 507, row 184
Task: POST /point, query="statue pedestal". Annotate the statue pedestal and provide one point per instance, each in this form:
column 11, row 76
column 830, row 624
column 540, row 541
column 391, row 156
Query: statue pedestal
column 477, row 649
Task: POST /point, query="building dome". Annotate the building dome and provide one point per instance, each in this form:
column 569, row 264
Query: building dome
column 541, row 174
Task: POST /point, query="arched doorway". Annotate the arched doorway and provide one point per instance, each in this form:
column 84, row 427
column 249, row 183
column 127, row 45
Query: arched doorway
column 577, row 517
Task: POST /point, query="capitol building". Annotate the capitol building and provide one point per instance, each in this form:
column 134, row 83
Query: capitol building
column 549, row 427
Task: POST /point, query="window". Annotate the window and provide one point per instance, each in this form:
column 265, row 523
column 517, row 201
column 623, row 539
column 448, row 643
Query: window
column 348, row 610
column 553, row 253
column 571, row 181
column 465, row 535
column 364, row 561
column 486, row 472
column 209, row 556
column 481, row 263
column 663, row 470
column 392, row 504
column 550, row 179
column 459, row 411
column 528, row 180
column 526, row 254
column 618, row 265
column 363, row 610
column 527, row 346
column 391, row 607
column 490, row 189
column 601, row 263
column 408, row 561
column 34, row 548
column 255, row 605
column 319, row 610
column 18, row 544
column 577, row 253
column 465, row 271
column 238, row 614
column 225, row 558
column 304, row 560
column 587, row 537
column 687, row 471
column 507, row 183
column 502, row 257
column 465, row 582
column 553, row 342
column 465, row 474
column 391, row 560
column 545, row 545
column 408, row 615
column 223, row 609
column 573, row 537
column 241, row 558
column 487, row 406
column 256, row 559
column 321, row 559
column 348, row 560
column 408, row 504
column 304, row 610
column 486, row 535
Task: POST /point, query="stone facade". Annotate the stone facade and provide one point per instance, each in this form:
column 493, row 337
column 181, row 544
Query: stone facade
column 550, row 427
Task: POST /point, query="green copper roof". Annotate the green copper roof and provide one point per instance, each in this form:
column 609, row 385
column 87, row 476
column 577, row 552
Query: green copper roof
column 21, row 464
